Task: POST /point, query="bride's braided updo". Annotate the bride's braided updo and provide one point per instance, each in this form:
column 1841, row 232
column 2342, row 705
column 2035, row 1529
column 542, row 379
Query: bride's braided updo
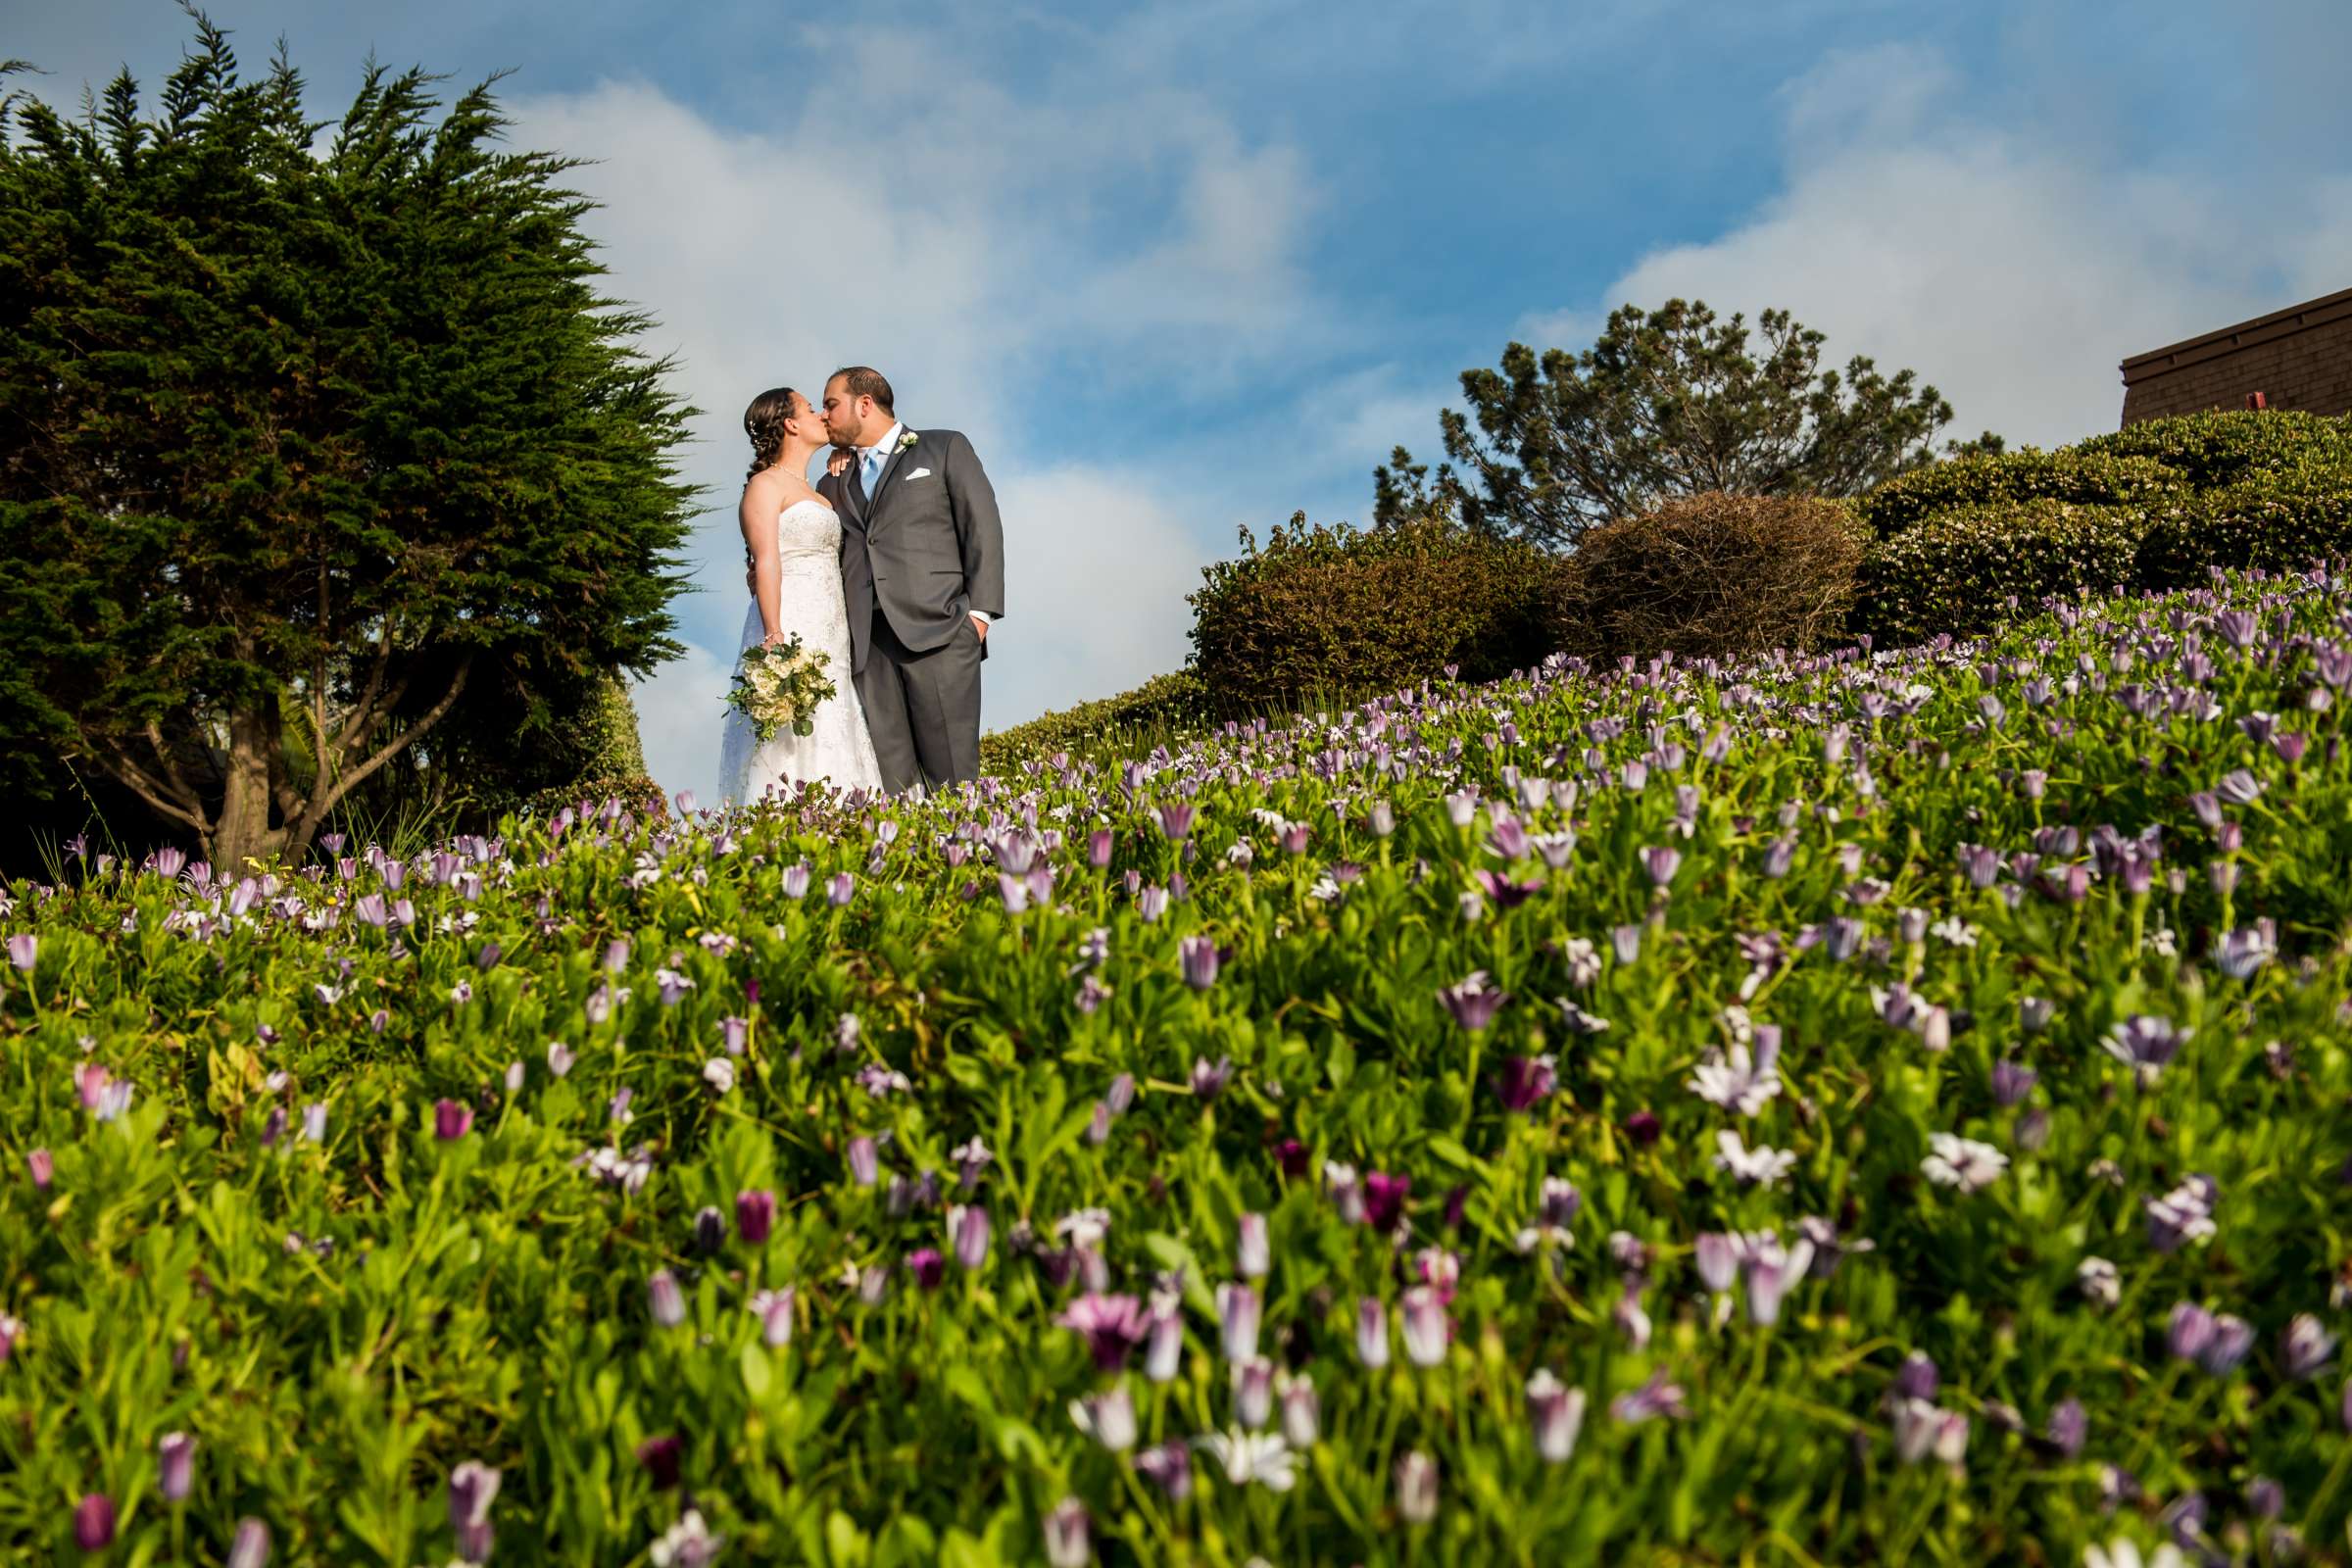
column 764, row 422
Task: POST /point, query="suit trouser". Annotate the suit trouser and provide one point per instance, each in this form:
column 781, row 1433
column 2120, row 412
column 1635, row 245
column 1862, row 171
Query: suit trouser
column 922, row 708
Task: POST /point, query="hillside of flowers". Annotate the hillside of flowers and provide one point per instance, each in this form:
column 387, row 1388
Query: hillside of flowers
column 1889, row 1107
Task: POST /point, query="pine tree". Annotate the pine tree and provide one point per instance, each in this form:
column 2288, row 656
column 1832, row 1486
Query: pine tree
column 317, row 440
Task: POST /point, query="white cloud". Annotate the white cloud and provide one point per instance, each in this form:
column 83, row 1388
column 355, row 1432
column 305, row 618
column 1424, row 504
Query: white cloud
column 2011, row 268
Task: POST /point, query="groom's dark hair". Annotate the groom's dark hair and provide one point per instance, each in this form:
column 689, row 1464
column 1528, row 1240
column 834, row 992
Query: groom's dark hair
column 864, row 381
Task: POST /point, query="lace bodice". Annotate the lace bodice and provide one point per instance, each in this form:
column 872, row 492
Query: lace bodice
column 809, row 528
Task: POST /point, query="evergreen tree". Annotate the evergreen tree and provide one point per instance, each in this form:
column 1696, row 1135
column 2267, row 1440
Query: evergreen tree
column 317, row 440
column 1674, row 403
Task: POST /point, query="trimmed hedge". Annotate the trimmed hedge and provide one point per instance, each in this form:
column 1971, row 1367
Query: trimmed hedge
column 1962, row 570
column 2213, row 450
column 1160, row 708
column 2071, row 473
column 1714, row 575
column 2278, row 521
column 1321, row 609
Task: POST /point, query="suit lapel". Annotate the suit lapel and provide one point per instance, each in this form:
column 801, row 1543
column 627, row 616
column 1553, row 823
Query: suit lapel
column 847, row 495
column 882, row 476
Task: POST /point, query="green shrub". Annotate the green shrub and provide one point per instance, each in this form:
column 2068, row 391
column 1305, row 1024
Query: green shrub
column 1157, row 710
column 2213, row 450
column 2278, row 521
column 1320, row 610
column 1960, row 570
column 2070, row 474
column 635, row 792
column 1713, row 575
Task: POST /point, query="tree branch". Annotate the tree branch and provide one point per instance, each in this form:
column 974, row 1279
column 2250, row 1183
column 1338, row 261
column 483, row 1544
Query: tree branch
column 118, row 762
column 324, row 799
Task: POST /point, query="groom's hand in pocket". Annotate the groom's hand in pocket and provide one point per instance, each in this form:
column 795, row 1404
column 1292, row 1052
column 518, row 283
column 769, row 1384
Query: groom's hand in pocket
column 980, row 625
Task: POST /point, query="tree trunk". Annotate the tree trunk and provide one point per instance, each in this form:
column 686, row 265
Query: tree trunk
column 242, row 830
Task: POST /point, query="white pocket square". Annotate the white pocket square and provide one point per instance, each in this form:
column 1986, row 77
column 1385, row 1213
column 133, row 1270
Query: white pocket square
column 919, row 473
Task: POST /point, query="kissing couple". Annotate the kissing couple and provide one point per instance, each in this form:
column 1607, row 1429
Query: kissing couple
column 892, row 565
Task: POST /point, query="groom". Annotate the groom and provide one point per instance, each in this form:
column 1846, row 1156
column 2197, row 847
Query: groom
column 922, row 568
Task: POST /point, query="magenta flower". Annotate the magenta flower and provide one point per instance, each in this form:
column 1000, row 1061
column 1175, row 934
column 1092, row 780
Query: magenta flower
column 1525, row 1080
column 1112, row 1325
column 1384, row 1200
column 1098, row 848
column 773, row 1309
column 755, row 1215
column 1238, row 1310
column 844, row 888
column 1210, row 1079
column 451, row 1120
column 1176, row 819
column 94, row 1522
column 968, row 1234
column 42, row 1168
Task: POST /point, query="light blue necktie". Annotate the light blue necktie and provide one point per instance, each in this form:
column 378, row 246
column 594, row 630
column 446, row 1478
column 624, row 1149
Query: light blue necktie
column 871, row 468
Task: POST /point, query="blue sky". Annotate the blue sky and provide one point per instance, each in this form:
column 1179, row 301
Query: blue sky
column 1183, row 269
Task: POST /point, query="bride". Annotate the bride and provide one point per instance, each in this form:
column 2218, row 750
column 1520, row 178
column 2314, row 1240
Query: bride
column 795, row 544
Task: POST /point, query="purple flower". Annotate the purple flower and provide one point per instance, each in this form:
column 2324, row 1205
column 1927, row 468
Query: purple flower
column 2232, row 1336
column 94, row 1522
column 1772, row 1271
column 2011, row 1083
column 1918, row 1378
column 927, row 1268
column 755, row 1215
column 42, row 1168
column 472, row 1487
column 250, row 1546
column 1163, row 1348
column 2145, row 1044
column 1252, row 1260
column 1252, row 1392
column 1661, row 862
column 176, row 1465
column 1198, row 956
column 1384, row 1200
column 2067, row 1427
column 843, row 889
column 1473, row 1003
column 1069, row 1543
column 1643, row 1129
column 1208, row 1081
column 1656, row 1397
column 773, row 1309
column 1168, row 1467
column 1098, row 848
column 1301, row 1411
column 2183, row 1215
column 1176, row 819
column 1426, row 1330
column 864, row 1162
column 2189, row 1332
column 795, row 883
column 661, row 1458
column 1525, row 1080
column 968, row 1233
column 2306, row 1348
column 1372, row 1333
column 1113, row 1326
column 22, row 951
column 450, row 1120
column 663, row 1301
column 1557, row 1415
column 1238, row 1313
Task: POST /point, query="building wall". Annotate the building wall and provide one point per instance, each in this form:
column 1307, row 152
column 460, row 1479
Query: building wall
column 2298, row 358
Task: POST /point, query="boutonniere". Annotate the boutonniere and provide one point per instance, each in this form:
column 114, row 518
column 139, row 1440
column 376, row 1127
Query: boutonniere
column 908, row 439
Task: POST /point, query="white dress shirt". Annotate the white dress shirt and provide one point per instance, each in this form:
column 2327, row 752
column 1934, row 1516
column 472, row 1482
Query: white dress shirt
column 870, row 461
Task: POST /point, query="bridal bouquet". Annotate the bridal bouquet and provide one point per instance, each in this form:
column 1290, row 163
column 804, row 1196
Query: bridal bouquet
column 779, row 684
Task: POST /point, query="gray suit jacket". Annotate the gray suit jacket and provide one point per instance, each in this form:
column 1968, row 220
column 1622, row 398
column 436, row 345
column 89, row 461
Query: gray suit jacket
column 925, row 550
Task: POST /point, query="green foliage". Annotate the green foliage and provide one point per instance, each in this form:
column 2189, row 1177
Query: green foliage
column 2157, row 505
column 1715, row 577
column 1160, row 710
column 1964, row 570
column 1322, row 609
column 1672, row 403
column 310, row 462
column 1914, row 892
column 2078, row 476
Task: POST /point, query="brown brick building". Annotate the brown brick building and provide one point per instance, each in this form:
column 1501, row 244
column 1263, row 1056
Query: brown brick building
column 2298, row 358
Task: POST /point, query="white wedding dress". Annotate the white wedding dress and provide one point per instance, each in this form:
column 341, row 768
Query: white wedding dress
column 810, row 603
